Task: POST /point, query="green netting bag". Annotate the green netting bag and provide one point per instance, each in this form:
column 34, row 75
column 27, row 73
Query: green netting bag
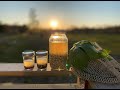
column 93, row 63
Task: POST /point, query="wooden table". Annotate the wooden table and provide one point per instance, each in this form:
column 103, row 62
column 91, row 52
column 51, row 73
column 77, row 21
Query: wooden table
column 17, row 70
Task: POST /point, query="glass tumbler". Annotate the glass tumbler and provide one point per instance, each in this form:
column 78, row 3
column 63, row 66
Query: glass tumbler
column 28, row 59
column 42, row 59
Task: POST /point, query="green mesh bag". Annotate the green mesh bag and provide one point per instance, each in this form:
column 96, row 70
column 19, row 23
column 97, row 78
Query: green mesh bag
column 91, row 62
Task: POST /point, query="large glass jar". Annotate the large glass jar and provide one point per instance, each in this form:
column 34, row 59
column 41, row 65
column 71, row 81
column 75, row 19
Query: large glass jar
column 58, row 51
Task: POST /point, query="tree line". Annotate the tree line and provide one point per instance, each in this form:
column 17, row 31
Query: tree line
column 25, row 28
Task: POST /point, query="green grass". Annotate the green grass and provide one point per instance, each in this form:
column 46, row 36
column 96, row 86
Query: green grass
column 11, row 46
column 111, row 42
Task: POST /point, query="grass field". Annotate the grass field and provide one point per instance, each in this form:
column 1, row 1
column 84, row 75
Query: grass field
column 11, row 46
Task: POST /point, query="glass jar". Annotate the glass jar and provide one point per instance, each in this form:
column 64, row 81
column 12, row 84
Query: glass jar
column 58, row 51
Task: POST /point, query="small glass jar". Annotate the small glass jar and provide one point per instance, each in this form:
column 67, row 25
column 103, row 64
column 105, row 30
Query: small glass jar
column 58, row 51
column 28, row 59
column 42, row 59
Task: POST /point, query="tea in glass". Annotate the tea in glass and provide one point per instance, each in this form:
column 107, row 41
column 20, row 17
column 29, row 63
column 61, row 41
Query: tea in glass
column 28, row 59
column 42, row 59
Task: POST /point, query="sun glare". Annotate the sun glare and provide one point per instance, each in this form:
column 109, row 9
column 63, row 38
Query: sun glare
column 54, row 24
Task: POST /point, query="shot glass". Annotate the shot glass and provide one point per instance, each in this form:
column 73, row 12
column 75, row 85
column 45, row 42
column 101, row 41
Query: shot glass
column 28, row 59
column 42, row 59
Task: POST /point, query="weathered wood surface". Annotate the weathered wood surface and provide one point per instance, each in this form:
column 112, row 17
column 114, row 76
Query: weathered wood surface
column 97, row 85
column 17, row 69
column 39, row 86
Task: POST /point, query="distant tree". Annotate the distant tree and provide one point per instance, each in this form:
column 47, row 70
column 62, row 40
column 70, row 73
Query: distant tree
column 1, row 27
column 33, row 22
column 23, row 29
column 73, row 27
column 0, row 22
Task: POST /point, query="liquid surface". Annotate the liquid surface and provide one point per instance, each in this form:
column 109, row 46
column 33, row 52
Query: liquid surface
column 42, row 60
column 28, row 63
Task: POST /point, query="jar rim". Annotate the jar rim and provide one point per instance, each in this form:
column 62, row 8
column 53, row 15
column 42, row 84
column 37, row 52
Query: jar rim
column 28, row 52
column 42, row 52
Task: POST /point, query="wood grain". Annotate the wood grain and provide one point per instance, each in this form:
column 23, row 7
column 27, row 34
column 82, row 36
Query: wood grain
column 17, row 69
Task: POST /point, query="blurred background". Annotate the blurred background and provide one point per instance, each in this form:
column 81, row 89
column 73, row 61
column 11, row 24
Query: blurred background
column 27, row 25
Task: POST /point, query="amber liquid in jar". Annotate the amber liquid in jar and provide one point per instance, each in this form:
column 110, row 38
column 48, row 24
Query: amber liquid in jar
column 58, row 53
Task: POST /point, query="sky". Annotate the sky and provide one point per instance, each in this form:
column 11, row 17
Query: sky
column 67, row 13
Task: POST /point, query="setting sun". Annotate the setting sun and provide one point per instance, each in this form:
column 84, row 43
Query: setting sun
column 54, row 24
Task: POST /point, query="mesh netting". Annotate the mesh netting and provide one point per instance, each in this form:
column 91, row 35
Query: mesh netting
column 97, row 71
